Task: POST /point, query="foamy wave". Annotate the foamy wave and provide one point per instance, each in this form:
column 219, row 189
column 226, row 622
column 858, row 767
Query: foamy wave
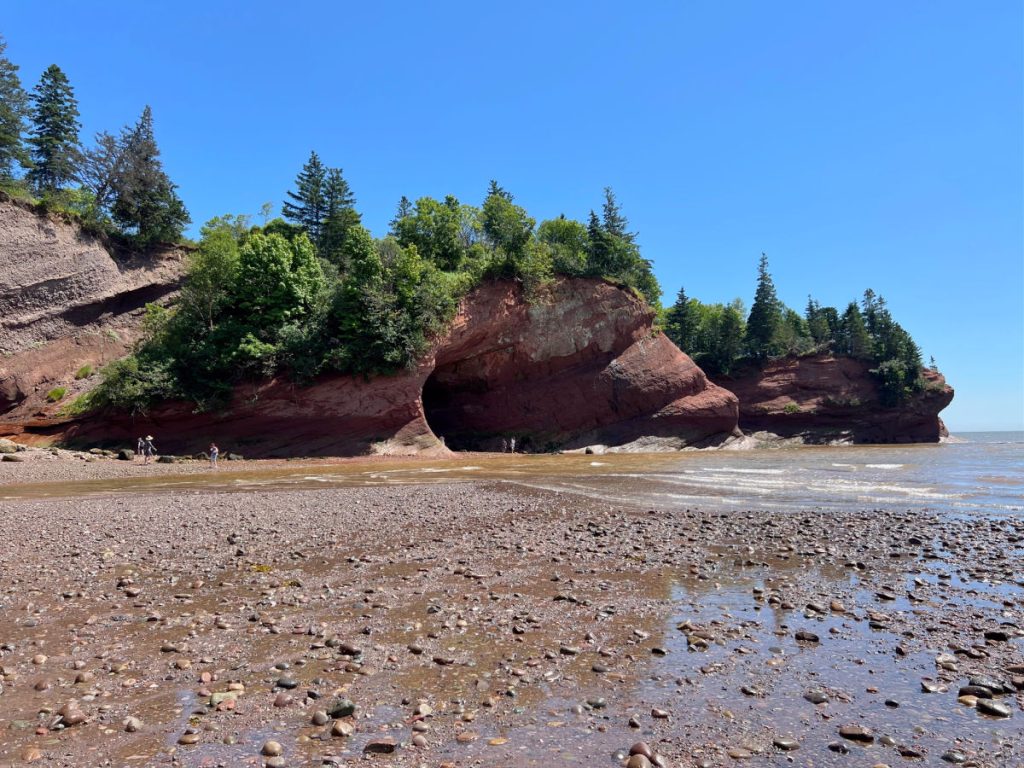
column 884, row 466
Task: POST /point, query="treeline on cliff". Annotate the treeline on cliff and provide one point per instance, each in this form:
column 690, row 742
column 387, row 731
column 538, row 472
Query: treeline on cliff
column 116, row 187
column 315, row 292
column 721, row 338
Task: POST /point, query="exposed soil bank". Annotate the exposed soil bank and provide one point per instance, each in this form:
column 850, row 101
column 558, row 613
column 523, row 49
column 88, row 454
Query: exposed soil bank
column 482, row 624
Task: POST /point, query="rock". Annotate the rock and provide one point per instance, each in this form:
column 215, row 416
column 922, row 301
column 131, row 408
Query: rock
column 341, row 708
column 804, row 636
column 816, row 697
column 8, row 447
column 320, row 718
column 856, row 733
column 166, row 459
column 786, row 744
column 810, row 383
column 12, row 457
column 739, row 753
column 638, row 761
column 342, row 728
column 271, row 749
column 994, row 708
column 132, row 724
column 381, row 746
column 954, row 756
column 125, row 455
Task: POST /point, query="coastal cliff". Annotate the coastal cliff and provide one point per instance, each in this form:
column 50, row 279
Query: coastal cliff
column 577, row 366
column 66, row 304
column 834, row 399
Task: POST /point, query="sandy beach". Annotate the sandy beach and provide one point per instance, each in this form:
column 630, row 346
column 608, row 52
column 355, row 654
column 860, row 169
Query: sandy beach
column 488, row 624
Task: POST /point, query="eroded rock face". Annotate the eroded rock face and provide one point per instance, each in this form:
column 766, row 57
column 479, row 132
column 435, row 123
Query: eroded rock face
column 65, row 303
column 577, row 366
column 822, row 399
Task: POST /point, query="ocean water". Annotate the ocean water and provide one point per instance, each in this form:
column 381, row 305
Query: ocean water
column 973, row 473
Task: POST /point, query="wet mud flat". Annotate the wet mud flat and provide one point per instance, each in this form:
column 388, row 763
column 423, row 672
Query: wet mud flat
column 486, row 624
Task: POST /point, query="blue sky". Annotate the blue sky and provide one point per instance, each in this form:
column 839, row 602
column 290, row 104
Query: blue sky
column 869, row 144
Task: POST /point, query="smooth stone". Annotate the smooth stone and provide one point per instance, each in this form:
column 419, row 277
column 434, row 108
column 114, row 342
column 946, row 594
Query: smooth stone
column 787, row 745
column 341, row 728
column 994, row 708
column 638, row 761
column 856, row 733
column 955, row 757
column 271, row 749
column 739, row 753
column 816, row 697
column 642, row 748
column 189, row 738
column 320, row 717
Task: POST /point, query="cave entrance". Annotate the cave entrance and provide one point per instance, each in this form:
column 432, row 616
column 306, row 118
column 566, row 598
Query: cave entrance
column 461, row 408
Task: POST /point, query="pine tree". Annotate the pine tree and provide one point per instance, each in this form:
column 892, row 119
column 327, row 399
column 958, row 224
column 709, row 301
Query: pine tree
column 309, row 208
column 54, row 136
column 681, row 322
column 765, row 314
column 146, row 205
column 13, row 111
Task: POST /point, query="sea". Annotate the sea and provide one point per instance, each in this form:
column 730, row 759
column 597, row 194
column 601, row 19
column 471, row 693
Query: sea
column 970, row 473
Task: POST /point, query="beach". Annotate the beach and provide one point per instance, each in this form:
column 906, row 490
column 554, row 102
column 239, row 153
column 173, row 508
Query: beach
column 488, row 622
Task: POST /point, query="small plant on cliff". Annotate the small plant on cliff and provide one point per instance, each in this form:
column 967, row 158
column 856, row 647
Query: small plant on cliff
column 791, row 408
column 84, row 372
column 56, row 394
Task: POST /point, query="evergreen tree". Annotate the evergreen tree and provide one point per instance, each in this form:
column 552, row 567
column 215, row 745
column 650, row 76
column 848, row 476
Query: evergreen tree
column 13, row 111
column 54, row 135
column 614, row 223
column 853, row 335
column 339, row 216
column 765, row 314
column 146, row 205
column 100, row 169
column 681, row 322
column 404, row 210
column 309, row 208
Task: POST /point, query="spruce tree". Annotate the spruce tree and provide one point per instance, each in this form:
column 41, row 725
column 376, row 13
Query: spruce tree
column 145, row 206
column 404, row 210
column 765, row 314
column 309, row 208
column 614, row 223
column 54, row 135
column 13, row 111
column 853, row 336
column 681, row 322
column 339, row 216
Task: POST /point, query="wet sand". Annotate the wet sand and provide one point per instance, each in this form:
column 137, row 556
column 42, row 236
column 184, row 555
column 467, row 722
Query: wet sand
column 486, row 624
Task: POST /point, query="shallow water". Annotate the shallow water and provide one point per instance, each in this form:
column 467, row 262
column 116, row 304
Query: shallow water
column 973, row 473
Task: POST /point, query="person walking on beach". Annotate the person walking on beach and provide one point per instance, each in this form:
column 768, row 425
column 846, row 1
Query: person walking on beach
column 140, row 446
column 214, row 453
column 148, row 449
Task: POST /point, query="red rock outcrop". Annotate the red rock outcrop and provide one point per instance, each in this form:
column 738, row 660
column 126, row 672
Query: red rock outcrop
column 828, row 399
column 65, row 303
column 579, row 365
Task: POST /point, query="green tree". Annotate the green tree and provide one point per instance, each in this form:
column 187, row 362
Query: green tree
column 309, row 208
column 435, row 229
column 765, row 315
column 13, row 111
column 612, row 219
column 212, row 273
column 404, row 209
column 54, row 133
column 853, row 339
column 507, row 226
column 569, row 244
column 100, row 170
column 145, row 205
column 681, row 322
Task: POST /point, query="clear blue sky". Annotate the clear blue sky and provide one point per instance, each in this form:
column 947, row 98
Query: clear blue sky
column 858, row 144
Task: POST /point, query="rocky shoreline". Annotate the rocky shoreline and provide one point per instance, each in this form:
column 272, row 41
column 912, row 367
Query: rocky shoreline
column 483, row 623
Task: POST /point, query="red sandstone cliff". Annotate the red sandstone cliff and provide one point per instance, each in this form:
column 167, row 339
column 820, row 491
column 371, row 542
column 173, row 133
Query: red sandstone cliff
column 577, row 366
column 826, row 399
column 65, row 303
